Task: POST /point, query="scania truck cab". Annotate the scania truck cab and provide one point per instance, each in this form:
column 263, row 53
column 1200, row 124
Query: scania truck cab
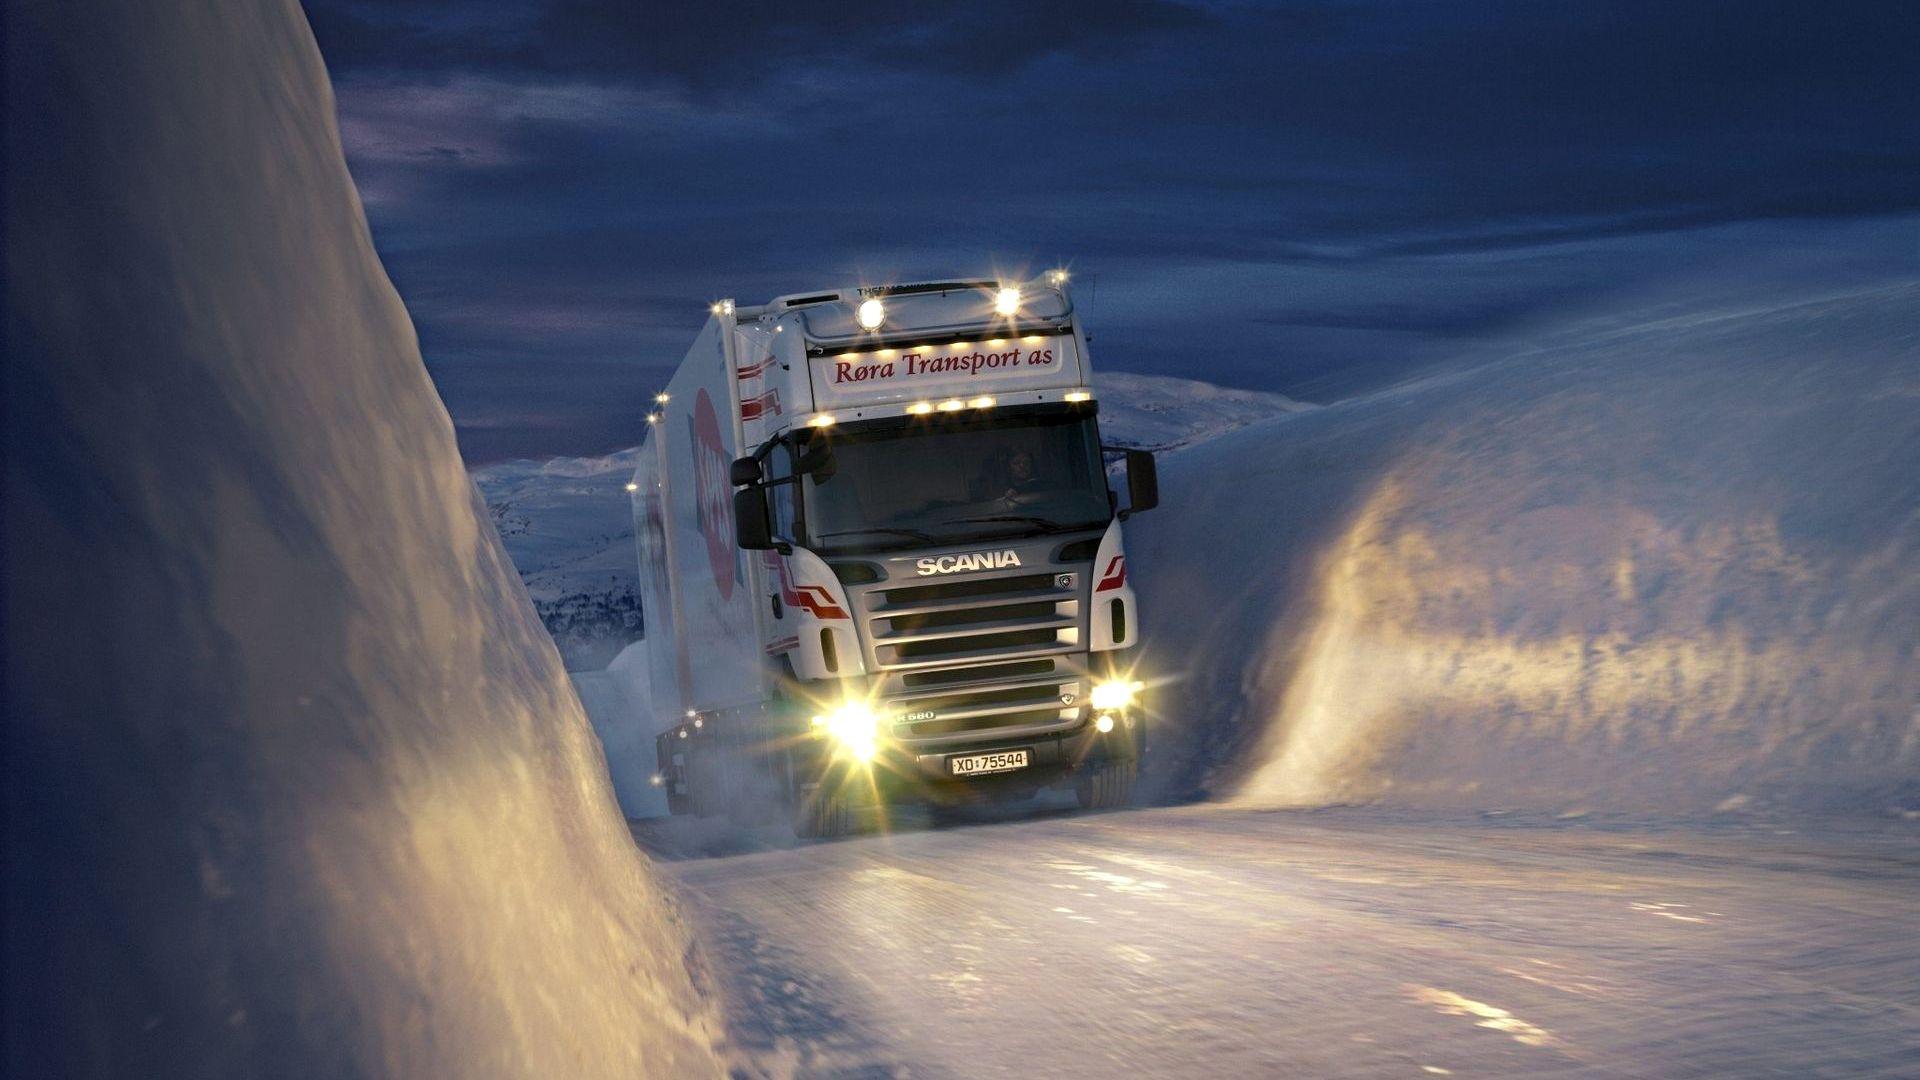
column 883, row 556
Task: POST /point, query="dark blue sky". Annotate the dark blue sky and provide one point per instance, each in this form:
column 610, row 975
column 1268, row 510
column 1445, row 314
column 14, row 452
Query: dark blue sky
column 1316, row 198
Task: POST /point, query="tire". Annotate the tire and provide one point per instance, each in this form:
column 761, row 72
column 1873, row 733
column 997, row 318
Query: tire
column 822, row 816
column 1106, row 786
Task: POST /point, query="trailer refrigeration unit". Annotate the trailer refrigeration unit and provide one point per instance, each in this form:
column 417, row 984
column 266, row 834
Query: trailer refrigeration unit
column 881, row 560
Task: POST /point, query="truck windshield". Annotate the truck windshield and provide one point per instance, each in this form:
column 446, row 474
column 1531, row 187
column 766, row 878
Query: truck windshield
column 950, row 480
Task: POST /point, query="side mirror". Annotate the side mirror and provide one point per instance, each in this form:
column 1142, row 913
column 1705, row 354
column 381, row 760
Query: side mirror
column 1143, row 481
column 743, row 472
column 752, row 526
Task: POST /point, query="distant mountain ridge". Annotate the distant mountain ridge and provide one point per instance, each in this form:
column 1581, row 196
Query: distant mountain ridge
column 568, row 525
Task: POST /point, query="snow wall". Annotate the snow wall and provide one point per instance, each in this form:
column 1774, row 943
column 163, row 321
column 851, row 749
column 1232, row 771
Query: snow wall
column 1669, row 566
column 619, row 704
column 294, row 782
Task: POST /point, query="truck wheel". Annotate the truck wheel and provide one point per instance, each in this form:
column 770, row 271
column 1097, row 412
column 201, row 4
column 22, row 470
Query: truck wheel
column 1106, row 786
column 822, row 815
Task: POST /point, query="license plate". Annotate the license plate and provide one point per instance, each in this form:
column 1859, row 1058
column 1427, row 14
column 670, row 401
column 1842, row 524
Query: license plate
column 981, row 764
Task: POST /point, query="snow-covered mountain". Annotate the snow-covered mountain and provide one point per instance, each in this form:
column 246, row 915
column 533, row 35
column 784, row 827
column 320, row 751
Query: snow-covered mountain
column 568, row 526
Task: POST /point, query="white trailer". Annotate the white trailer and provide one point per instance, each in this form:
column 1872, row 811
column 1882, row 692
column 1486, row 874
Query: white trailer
column 881, row 559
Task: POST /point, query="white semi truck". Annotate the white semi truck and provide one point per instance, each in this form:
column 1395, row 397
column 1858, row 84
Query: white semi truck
column 881, row 560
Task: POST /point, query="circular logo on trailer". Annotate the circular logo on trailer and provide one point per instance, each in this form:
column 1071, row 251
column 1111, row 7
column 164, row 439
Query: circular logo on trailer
column 713, row 498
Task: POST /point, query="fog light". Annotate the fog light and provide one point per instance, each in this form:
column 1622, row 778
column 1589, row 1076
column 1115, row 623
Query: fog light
column 1103, row 723
column 854, row 729
column 1110, row 696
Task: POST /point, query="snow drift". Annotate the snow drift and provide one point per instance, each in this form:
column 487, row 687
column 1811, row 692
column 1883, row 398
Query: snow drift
column 619, row 703
column 295, row 783
column 1673, row 566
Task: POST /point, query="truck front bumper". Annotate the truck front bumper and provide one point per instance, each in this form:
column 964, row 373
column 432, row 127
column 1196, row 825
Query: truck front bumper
column 1054, row 756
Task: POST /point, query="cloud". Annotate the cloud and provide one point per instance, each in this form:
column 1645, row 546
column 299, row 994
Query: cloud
column 1368, row 180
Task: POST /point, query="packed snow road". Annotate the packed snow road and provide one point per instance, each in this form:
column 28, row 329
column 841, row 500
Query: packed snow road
column 1226, row 942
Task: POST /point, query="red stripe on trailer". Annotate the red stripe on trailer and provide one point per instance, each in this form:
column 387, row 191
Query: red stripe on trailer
column 754, row 371
column 1115, row 576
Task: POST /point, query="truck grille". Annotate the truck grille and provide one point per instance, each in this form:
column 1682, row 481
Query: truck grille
column 980, row 619
column 986, row 656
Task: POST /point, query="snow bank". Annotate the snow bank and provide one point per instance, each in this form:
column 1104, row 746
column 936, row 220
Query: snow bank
column 1674, row 567
column 619, row 704
column 294, row 781
column 1162, row 413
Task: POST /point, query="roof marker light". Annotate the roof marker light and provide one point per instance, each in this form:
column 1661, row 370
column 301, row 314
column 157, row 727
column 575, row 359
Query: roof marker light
column 871, row 314
column 1079, row 395
column 1057, row 277
column 662, row 397
column 821, row 420
column 952, row 405
column 1006, row 302
column 982, row 402
column 631, row 486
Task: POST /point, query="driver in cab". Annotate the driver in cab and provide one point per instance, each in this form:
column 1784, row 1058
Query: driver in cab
column 1013, row 477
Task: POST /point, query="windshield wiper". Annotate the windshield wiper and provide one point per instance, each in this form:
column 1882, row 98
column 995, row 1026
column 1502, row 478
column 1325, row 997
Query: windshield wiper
column 911, row 534
column 1030, row 519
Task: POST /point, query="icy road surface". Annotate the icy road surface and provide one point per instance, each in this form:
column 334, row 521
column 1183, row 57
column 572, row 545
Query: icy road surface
column 1228, row 942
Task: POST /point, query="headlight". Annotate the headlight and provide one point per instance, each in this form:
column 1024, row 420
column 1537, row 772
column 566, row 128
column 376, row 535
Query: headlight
column 1109, row 696
column 854, row 729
